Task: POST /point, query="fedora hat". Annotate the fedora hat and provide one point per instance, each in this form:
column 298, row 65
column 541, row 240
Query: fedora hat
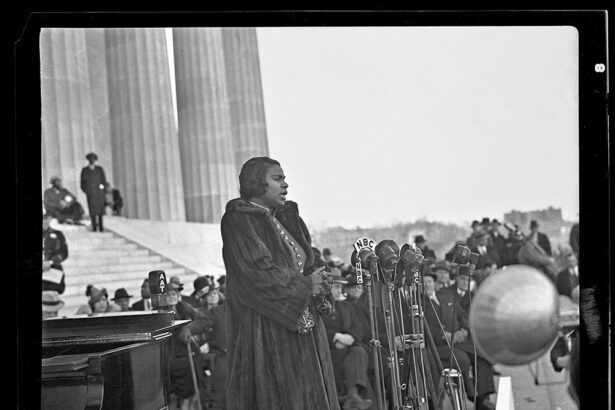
column 91, row 155
column 52, row 301
column 121, row 294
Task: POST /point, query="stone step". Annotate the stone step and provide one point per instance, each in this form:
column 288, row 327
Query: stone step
column 78, row 284
column 111, row 260
column 87, row 243
column 78, row 235
column 76, row 270
column 108, row 253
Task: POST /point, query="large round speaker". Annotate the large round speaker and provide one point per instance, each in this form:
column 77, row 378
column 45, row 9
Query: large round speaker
column 514, row 315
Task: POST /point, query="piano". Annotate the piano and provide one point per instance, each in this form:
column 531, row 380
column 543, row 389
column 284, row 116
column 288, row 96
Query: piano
column 109, row 361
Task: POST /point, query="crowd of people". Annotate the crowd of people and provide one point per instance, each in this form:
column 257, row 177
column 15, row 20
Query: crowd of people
column 292, row 329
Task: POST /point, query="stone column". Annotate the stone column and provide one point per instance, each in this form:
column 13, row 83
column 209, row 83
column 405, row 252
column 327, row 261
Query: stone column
column 144, row 138
column 208, row 158
column 245, row 94
column 74, row 104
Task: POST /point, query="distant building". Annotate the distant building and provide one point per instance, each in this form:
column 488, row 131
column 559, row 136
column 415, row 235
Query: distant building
column 548, row 219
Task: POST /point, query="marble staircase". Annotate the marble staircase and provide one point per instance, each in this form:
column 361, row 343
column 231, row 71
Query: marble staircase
column 109, row 260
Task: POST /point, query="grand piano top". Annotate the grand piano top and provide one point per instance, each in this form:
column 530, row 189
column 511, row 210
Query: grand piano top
column 116, row 327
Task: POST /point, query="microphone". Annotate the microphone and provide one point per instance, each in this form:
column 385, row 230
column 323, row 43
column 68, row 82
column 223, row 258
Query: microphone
column 363, row 255
column 461, row 256
column 412, row 261
column 158, row 287
column 473, row 262
column 388, row 257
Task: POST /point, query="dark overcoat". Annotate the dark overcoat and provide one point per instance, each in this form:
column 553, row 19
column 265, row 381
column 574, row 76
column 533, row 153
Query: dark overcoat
column 93, row 184
column 270, row 365
column 55, row 249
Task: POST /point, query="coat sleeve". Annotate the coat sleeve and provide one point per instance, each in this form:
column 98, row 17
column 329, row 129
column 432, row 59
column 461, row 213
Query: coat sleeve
column 255, row 281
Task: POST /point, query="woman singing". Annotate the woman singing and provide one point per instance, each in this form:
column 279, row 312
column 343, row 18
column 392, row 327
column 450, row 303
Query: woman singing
column 278, row 352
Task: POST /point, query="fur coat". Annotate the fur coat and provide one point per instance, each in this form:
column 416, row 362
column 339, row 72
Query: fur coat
column 270, row 365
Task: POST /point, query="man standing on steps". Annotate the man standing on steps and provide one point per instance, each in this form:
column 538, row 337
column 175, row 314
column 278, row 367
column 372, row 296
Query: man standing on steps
column 93, row 184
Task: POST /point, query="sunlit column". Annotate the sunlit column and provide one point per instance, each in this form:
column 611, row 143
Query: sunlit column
column 245, row 94
column 74, row 104
column 208, row 160
column 145, row 145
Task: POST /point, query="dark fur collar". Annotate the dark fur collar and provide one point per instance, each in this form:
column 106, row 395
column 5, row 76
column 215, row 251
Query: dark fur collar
column 242, row 205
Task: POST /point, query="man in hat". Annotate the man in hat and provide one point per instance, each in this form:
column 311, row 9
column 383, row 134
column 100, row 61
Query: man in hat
column 499, row 242
column 568, row 279
column 51, row 304
column 448, row 324
column 462, row 289
column 93, row 184
column 350, row 358
column 61, row 204
column 192, row 301
column 489, row 257
column 55, row 251
column 543, row 240
column 146, row 298
column 122, row 299
column 421, row 243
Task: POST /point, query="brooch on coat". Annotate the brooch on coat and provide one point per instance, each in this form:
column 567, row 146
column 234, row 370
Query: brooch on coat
column 306, row 322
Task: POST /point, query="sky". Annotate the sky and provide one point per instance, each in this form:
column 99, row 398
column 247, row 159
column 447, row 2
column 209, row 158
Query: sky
column 378, row 125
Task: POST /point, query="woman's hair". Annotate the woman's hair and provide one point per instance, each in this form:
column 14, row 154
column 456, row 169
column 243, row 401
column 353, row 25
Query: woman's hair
column 252, row 182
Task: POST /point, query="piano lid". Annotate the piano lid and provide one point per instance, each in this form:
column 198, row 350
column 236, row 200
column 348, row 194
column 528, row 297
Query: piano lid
column 116, row 327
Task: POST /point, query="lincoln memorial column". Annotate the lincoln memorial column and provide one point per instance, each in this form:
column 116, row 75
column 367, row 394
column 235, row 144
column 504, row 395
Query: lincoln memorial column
column 245, row 94
column 74, row 104
column 206, row 143
column 144, row 139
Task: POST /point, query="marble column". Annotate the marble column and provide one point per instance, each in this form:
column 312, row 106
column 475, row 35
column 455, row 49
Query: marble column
column 74, row 104
column 144, row 139
column 205, row 136
column 245, row 94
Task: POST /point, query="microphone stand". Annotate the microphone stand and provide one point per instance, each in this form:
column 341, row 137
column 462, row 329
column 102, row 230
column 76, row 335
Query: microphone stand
column 393, row 358
column 374, row 342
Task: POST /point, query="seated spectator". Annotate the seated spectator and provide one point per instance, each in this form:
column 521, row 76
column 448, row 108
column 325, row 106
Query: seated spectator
column 350, row 359
column 421, row 243
column 55, row 251
column 214, row 346
column 462, row 289
column 532, row 254
column 476, row 229
column 489, row 257
column 448, row 326
column 193, row 302
column 568, row 278
column 62, row 204
column 52, row 304
column 98, row 302
column 122, row 299
column 182, row 385
column 146, row 298
column 443, row 274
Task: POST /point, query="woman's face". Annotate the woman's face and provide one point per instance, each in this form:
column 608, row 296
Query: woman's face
column 276, row 190
column 337, row 292
column 172, row 297
column 463, row 282
column 355, row 291
column 124, row 303
column 100, row 306
column 443, row 276
column 213, row 297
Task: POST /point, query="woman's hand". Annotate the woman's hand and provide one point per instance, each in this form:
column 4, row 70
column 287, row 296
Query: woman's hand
column 317, row 280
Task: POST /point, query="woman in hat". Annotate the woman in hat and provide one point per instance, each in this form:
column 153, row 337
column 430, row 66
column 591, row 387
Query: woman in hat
column 51, row 304
column 93, row 184
column 277, row 346
column 98, row 302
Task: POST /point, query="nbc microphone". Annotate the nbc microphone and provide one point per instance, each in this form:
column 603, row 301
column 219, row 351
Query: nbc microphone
column 158, row 287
